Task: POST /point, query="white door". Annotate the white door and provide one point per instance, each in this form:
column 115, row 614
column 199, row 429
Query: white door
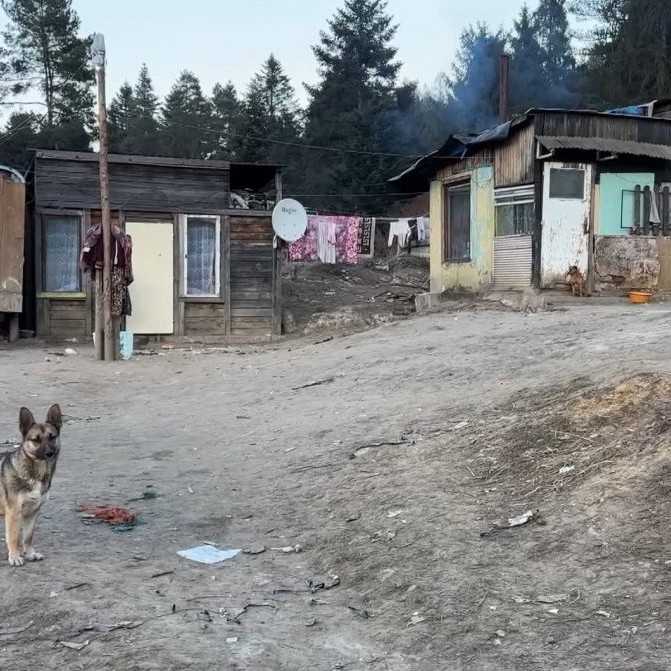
column 566, row 209
column 152, row 290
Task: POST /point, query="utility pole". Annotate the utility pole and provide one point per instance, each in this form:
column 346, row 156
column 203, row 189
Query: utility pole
column 109, row 348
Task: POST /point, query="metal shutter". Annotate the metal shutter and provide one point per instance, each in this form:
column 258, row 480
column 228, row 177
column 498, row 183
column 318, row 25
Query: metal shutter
column 512, row 262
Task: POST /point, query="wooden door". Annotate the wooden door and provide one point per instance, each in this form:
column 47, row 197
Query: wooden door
column 152, row 291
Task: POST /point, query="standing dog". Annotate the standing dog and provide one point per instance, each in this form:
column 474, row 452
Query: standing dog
column 576, row 281
column 25, row 479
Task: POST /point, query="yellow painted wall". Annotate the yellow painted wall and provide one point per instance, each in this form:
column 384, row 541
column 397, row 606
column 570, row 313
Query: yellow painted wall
column 477, row 274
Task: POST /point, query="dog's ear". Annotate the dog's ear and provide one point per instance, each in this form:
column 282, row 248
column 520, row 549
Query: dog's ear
column 26, row 421
column 55, row 417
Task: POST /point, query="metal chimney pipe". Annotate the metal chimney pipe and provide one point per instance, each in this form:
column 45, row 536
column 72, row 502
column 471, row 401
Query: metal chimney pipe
column 504, row 88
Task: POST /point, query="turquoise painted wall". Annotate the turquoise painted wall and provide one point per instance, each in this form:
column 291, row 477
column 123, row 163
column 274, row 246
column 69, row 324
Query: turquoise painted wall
column 611, row 203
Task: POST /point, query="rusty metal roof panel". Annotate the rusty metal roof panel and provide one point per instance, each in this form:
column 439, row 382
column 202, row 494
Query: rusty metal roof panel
column 609, row 145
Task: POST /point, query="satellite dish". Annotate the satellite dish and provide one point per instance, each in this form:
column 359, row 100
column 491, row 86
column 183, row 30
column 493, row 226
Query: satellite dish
column 290, row 220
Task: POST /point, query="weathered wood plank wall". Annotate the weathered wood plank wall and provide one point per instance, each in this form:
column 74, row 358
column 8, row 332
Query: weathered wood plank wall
column 12, row 212
column 514, row 160
column 251, row 273
column 75, row 184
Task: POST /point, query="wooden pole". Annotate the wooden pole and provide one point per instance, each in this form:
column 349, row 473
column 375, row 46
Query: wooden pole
column 99, row 329
column 109, row 348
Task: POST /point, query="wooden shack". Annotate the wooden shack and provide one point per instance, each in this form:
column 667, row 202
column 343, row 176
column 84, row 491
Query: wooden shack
column 517, row 205
column 203, row 270
column 12, row 223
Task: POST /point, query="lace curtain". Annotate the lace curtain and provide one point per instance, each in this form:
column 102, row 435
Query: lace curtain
column 201, row 250
column 62, row 254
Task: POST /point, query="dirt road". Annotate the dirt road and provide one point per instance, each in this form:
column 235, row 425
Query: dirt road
column 423, row 434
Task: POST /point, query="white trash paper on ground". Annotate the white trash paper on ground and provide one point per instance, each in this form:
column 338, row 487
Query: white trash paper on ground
column 207, row 554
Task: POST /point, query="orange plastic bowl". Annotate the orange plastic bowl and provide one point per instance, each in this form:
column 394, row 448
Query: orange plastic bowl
column 640, row 297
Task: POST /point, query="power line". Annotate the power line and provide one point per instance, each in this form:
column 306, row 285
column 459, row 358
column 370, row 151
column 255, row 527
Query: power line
column 354, row 195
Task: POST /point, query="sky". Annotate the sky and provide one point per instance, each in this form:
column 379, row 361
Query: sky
column 223, row 40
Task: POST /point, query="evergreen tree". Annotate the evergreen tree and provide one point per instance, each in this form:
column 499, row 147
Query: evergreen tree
column 20, row 133
column 186, row 119
column 120, row 119
column 43, row 50
column 226, row 119
column 527, row 80
column 269, row 111
column 143, row 127
column 550, row 22
column 474, row 85
column 352, row 105
column 629, row 59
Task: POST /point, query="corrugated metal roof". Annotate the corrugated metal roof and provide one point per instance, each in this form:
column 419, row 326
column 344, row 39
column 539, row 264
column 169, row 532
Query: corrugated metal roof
column 607, row 145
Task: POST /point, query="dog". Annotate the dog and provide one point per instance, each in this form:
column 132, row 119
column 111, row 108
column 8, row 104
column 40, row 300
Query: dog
column 25, row 480
column 576, row 281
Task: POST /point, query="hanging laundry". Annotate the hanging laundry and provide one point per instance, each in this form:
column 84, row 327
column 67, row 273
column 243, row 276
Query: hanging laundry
column 326, row 241
column 367, row 236
column 654, row 209
column 91, row 260
column 423, row 229
column 346, row 240
column 400, row 230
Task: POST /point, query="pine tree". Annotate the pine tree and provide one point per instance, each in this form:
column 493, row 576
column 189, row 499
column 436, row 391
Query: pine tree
column 143, row 129
column 474, row 85
column 527, row 80
column 629, row 59
column 352, row 105
column 269, row 111
column 186, row 118
column 226, row 119
column 20, row 133
column 550, row 21
column 44, row 51
column 120, row 118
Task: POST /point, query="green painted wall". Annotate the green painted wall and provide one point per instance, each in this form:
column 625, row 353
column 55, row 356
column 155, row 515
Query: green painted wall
column 611, row 203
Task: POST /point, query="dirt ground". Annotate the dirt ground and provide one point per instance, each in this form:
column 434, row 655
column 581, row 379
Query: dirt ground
column 424, row 434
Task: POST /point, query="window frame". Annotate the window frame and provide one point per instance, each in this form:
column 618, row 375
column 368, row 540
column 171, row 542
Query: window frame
column 514, row 197
column 43, row 216
column 217, row 257
column 582, row 170
column 465, row 185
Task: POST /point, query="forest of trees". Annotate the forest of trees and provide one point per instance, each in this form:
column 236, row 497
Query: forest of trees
column 360, row 123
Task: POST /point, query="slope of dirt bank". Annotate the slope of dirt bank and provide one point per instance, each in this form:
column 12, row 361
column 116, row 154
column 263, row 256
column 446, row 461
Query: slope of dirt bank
column 319, row 298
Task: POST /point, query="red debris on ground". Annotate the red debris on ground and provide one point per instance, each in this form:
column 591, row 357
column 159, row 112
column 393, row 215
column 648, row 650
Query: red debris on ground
column 113, row 515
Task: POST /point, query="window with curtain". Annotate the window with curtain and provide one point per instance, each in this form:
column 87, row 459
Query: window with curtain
column 202, row 256
column 60, row 244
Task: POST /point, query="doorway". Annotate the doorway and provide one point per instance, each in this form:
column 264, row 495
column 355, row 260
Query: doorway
column 152, row 291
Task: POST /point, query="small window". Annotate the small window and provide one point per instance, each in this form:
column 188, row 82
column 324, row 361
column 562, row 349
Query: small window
column 457, row 223
column 567, row 183
column 514, row 219
column 60, row 247
column 201, row 262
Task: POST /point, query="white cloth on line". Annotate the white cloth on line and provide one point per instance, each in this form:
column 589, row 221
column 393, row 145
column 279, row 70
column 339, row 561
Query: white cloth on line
column 654, row 210
column 326, row 239
column 423, row 224
column 399, row 229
